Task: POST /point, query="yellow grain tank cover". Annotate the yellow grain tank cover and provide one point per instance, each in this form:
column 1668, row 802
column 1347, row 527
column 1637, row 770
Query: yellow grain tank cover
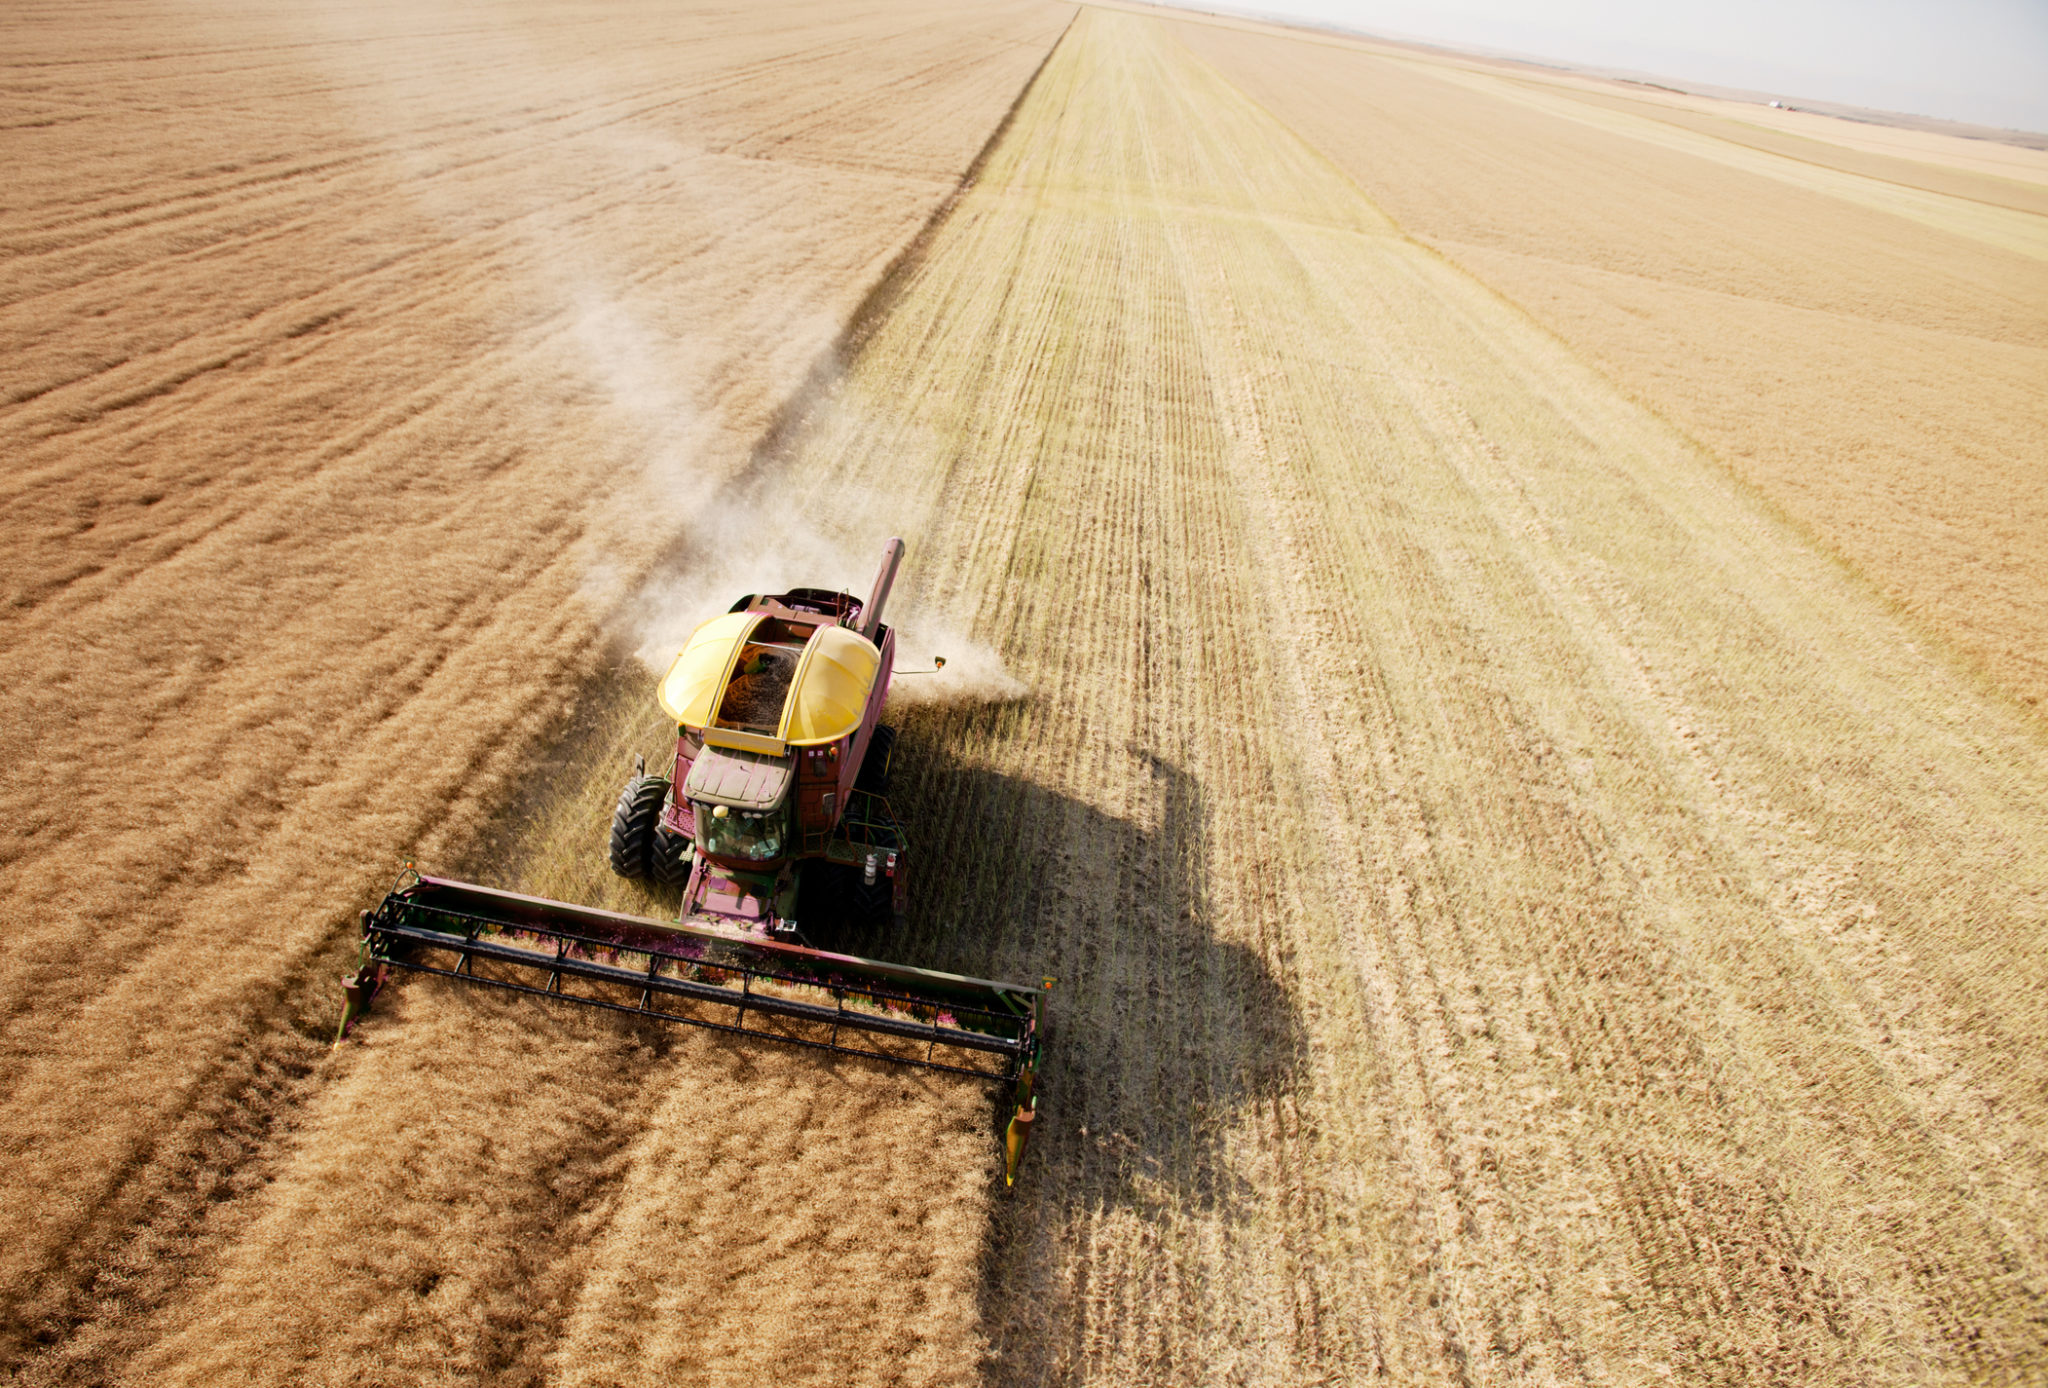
column 827, row 694
column 690, row 690
column 830, row 689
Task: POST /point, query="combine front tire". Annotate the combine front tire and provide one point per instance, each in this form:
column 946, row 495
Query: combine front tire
column 633, row 825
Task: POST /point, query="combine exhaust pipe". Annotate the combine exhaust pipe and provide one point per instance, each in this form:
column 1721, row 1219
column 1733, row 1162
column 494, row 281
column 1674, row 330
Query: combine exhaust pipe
column 871, row 612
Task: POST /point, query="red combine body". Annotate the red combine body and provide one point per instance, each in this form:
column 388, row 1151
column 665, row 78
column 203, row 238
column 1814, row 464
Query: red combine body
column 773, row 816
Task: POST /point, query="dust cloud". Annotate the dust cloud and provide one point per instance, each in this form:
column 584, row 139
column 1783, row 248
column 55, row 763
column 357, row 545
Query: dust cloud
column 656, row 394
column 974, row 672
column 773, row 531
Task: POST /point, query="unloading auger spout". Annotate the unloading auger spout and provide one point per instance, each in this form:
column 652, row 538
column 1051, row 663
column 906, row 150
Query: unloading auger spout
column 772, row 824
column 871, row 613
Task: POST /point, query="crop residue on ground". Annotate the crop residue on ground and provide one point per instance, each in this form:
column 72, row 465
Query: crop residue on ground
column 1533, row 892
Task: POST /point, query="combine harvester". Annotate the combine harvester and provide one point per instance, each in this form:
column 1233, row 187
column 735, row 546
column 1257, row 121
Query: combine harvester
column 772, row 820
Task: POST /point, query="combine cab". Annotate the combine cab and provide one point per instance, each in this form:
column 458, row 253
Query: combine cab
column 773, row 821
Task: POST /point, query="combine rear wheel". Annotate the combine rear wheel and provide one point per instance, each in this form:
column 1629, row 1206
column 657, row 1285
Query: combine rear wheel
column 633, row 825
column 872, row 907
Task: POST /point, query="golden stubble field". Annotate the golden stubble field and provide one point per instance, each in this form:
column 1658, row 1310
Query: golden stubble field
column 1530, row 902
column 1882, row 379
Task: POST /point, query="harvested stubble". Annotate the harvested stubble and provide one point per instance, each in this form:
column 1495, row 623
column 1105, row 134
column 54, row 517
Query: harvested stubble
column 1862, row 335
column 355, row 354
column 1522, row 911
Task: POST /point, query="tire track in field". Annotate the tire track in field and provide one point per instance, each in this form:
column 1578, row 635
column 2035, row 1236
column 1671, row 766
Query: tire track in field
column 1471, row 833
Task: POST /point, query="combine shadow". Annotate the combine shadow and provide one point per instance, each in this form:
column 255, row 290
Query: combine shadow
column 1159, row 1034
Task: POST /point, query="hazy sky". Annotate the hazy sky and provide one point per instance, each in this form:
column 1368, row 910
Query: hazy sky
column 1974, row 60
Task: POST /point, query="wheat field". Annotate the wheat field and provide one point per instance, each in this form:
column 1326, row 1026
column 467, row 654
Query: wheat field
column 1537, row 890
column 357, row 354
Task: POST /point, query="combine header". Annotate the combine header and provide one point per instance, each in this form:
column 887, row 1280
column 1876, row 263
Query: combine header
column 773, row 822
